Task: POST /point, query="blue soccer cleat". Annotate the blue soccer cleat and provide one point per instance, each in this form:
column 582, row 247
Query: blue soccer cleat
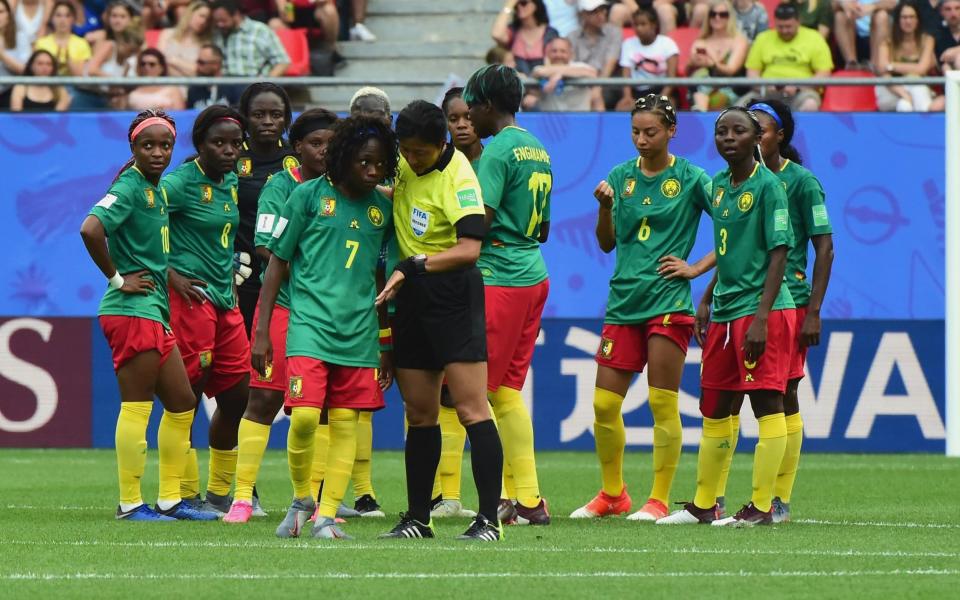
column 182, row 511
column 141, row 513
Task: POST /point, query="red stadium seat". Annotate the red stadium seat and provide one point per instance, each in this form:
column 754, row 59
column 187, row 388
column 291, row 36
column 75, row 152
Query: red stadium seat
column 770, row 5
column 860, row 98
column 151, row 37
column 298, row 48
column 684, row 37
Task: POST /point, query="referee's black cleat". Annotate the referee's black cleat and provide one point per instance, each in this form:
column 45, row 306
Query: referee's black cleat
column 482, row 530
column 409, row 528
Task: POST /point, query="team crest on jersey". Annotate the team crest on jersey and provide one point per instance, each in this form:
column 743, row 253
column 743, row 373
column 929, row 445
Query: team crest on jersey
column 606, row 348
column 354, row 224
column 267, row 373
column 375, row 216
column 206, row 194
column 799, row 275
column 628, row 186
column 718, row 198
column 328, row 207
column 290, row 162
column 151, row 200
column 745, row 201
column 206, row 358
column 245, row 167
column 419, row 221
column 670, row 188
column 296, row 386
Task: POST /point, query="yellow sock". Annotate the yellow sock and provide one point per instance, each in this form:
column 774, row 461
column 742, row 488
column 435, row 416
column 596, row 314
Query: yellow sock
column 516, row 434
column 252, row 443
column 363, row 465
column 610, row 437
column 453, row 436
column 767, row 458
column 190, row 482
column 321, row 444
column 131, row 445
column 734, row 438
column 343, row 447
column 714, row 445
column 791, row 458
column 173, row 443
column 667, row 441
column 303, row 426
column 223, row 469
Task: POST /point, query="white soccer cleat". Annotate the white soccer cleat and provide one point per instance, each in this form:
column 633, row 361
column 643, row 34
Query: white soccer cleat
column 451, row 508
column 690, row 515
column 652, row 511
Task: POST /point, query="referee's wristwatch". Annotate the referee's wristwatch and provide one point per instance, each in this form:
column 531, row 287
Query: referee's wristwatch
column 415, row 265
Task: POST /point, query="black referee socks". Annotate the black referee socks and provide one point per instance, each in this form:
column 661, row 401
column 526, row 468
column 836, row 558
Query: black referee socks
column 421, row 457
column 486, row 455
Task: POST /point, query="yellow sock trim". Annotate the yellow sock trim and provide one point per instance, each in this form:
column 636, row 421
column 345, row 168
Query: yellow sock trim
column 321, row 445
column 303, row 426
column 252, row 443
column 223, row 470
column 767, row 458
column 453, row 436
column 173, row 444
column 190, row 482
column 725, row 472
column 611, row 438
column 516, row 434
column 131, row 443
column 343, row 447
column 787, row 473
column 363, row 465
column 714, row 446
column 667, row 441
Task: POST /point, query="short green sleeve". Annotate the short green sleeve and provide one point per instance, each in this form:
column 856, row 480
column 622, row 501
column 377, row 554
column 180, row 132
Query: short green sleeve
column 272, row 198
column 813, row 209
column 174, row 190
column 114, row 208
column 493, row 178
column 293, row 219
column 776, row 217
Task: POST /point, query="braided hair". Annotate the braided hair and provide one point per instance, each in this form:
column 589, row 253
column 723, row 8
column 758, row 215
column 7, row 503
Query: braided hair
column 349, row 136
column 310, row 120
column 659, row 105
column 140, row 118
column 757, row 128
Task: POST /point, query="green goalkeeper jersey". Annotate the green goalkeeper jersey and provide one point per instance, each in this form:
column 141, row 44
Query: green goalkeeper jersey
column 808, row 217
column 272, row 198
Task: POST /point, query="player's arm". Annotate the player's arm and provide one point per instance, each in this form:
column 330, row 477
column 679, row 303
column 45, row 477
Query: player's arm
column 822, row 265
column 544, row 232
column 674, row 267
column 262, row 351
column 702, row 318
column 95, row 240
column 606, row 233
column 385, row 374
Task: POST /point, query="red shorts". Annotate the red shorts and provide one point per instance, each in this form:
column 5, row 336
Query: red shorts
column 513, row 324
column 318, row 384
column 724, row 367
column 799, row 357
column 625, row 346
column 130, row 336
column 210, row 338
column 276, row 377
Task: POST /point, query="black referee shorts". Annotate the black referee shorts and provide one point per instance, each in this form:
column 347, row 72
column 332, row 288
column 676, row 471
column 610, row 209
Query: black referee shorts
column 440, row 320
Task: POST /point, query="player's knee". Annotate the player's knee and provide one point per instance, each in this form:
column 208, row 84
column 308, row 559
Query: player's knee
column 263, row 405
column 605, row 408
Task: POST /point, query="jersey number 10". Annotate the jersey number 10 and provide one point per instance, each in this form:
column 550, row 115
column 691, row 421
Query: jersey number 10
column 539, row 185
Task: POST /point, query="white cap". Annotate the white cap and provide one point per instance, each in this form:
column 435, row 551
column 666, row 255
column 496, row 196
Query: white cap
column 591, row 5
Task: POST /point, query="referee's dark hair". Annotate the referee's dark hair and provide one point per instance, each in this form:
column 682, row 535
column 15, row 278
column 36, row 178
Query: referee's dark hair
column 209, row 117
column 497, row 84
column 266, row 87
column 311, row 120
column 349, row 136
column 423, row 121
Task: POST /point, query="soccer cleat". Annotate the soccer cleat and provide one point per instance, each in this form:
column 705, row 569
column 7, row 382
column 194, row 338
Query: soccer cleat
column 781, row 510
column 507, row 512
column 721, row 507
column 450, row 508
column 258, row 508
column 538, row 515
column 326, row 528
column 360, row 33
column 604, row 505
column 345, row 512
column 141, row 513
column 182, row 511
column 193, row 501
column 240, row 512
column 482, row 530
column 748, row 516
column 409, row 528
column 215, row 503
column 297, row 515
column 691, row 514
column 652, row 511
column 316, row 515
column 367, row 506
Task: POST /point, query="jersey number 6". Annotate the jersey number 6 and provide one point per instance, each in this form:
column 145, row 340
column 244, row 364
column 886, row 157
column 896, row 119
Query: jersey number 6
column 539, row 185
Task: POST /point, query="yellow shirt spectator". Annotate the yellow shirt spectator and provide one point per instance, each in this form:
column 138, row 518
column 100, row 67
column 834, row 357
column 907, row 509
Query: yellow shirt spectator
column 76, row 51
column 807, row 53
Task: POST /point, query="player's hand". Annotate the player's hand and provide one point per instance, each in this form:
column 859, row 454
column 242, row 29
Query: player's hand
column 755, row 341
column 261, row 353
column 386, row 191
column 604, row 195
column 672, row 267
column 390, row 289
column 187, row 288
column 241, row 267
column 385, row 374
column 810, row 330
column 700, row 322
column 138, row 283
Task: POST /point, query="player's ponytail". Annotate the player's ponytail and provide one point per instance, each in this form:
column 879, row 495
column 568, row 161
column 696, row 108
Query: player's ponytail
column 781, row 113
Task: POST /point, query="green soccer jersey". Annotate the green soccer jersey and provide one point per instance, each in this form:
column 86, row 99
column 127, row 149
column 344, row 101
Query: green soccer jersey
column 203, row 224
column 808, row 217
column 653, row 217
column 272, row 198
column 749, row 221
column 134, row 216
column 333, row 245
column 515, row 179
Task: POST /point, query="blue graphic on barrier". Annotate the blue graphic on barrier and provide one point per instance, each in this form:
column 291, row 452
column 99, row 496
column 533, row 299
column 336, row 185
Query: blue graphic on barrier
column 883, row 174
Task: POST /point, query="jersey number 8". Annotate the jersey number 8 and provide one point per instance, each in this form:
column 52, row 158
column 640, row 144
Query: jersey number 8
column 539, row 185
column 225, row 236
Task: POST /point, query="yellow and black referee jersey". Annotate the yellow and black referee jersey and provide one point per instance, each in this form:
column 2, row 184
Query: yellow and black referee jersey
column 427, row 207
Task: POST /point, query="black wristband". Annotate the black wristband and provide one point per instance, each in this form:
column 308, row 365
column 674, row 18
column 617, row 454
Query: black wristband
column 412, row 266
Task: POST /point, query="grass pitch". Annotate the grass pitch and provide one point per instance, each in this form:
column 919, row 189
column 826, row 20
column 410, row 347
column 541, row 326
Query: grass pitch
column 864, row 526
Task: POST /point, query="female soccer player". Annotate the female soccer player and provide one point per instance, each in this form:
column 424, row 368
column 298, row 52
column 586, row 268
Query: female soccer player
column 748, row 346
column 649, row 208
column 134, row 315
column 516, row 180
column 438, row 328
column 329, row 235
column 310, row 135
column 202, row 197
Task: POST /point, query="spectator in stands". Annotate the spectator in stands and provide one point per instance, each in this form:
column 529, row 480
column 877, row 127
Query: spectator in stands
column 498, row 55
column 91, row 16
column 117, row 16
column 791, row 52
column 39, row 98
column 259, row 10
column 621, row 12
column 947, row 39
column 249, row 47
column 816, row 14
column 181, row 44
column 210, row 64
column 31, row 17
column 71, row 51
column 360, row 32
column 646, row 56
column 371, row 102
column 553, row 94
column 563, row 15
column 752, row 18
column 151, row 63
column 931, row 21
column 860, row 26
column 596, row 42
column 908, row 52
column 522, row 27
column 115, row 55
column 719, row 51
column 11, row 60
column 309, row 14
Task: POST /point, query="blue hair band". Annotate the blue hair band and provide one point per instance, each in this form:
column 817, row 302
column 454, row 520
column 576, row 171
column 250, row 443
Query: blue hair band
column 766, row 108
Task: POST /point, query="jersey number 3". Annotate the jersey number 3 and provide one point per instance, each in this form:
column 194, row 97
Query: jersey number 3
column 539, row 185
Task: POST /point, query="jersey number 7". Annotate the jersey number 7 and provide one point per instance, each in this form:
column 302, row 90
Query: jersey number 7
column 539, row 185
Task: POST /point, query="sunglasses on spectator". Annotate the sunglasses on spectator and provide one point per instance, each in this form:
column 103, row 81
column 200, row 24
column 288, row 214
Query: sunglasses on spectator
column 721, row 15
